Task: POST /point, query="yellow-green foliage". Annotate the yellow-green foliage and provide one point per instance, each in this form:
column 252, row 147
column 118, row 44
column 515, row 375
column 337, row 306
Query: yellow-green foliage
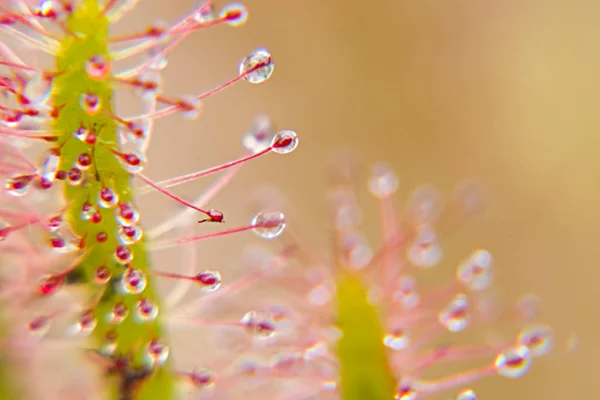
column 365, row 372
column 91, row 28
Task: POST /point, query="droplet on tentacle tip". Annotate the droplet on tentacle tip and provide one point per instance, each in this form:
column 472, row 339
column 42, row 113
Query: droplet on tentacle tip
column 86, row 323
column 514, row 362
column 537, row 338
column 90, row 103
column 123, row 255
column 455, row 316
column 396, row 340
column 258, row 324
column 129, row 235
column 257, row 67
column 202, row 379
column 284, row 142
column 476, row 271
column 97, row 67
column 127, row 215
column 118, row 313
column 156, row 353
column 206, row 14
column 383, row 182
column 209, row 281
column 133, row 281
column 467, row 394
column 102, row 275
column 146, row 310
column 268, row 225
column 235, row 14
column 18, row 185
column 107, row 197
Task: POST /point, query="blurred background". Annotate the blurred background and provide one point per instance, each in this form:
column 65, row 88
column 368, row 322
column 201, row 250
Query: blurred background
column 505, row 92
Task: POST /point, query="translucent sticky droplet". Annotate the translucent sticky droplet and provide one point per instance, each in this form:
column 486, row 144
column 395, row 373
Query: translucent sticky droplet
column 206, row 14
column 476, row 271
column 40, row 326
column 107, row 198
column 268, row 225
column 102, row 275
column 37, row 90
column 74, row 177
column 118, row 313
column 148, row 85
column 320, row 295
column 424, row 205
column 18, row 185
column 50, row 165
column 425, row 251
column 456, row 317
column 284, row 142
column 467, row 394
column 538, row 338
column 384, row 182
column 130, row 234
column 156, row 353
column 190, row 107
column 514, row 362
column 123, row 255
column 258, row 324
column 396, row 340
column 209, row 281
column 133, row 162
column 259, row 138
column 235, row 14
column 257, row 67
column 90, row 103
column 406, row 294
column 97, row 67
column 146, row 311
column 86, row 323
column 406, row 391
column 133, row 281
column 127, row 215
column 203, row 378
column 159, row 60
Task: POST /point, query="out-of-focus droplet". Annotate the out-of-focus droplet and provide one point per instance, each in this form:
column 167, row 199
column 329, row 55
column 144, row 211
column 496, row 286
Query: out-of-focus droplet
column 284, row 142
column 107, row 198
column 455, row 316
column 208, row 280
column 206, row 13
column 235, row 14
column 514, row 362
column 406, row 293
column 86, row 323
column 258, row 324
column 133, row 281
column 18, row 185
column 50, row 165
column 130, row 234
column 384, row 182
column 406, row 391
column 476, row 271
column 118, row 313
column 156, row 353
column 148, row 85
column 259, row 138
column 467, row 394
column 123, row 255
column 257, row 67
column 190, row 107
column 396, row 340
column 97, row 67
column 102, row 275
column 268, row 225
column 538, row 338
column 424, row 206
column 90, row 103
column 127, row 215
column 425, row 251
column 203, row 378
column 146, row 310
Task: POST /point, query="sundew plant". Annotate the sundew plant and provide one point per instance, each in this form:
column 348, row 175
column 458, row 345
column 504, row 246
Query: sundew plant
column 76, row 270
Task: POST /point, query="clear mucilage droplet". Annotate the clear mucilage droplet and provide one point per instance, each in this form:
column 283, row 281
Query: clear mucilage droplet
column 514, row 362
column 156, row 353
column 235, row 14
column 146, row 310
column 537, row 338
column 133, row 281
column 257, row 67
column 268, row 225
column 284, row 142
column 456, row 317
column 467, row 394
column 258, row 324
column 208, row 280
column 476, row 271
column 384, row 182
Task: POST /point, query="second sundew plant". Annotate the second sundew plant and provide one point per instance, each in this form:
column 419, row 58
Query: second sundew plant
column 296, row 325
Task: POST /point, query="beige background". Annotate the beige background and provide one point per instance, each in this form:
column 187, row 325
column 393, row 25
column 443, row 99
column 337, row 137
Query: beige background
column 502, row 91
